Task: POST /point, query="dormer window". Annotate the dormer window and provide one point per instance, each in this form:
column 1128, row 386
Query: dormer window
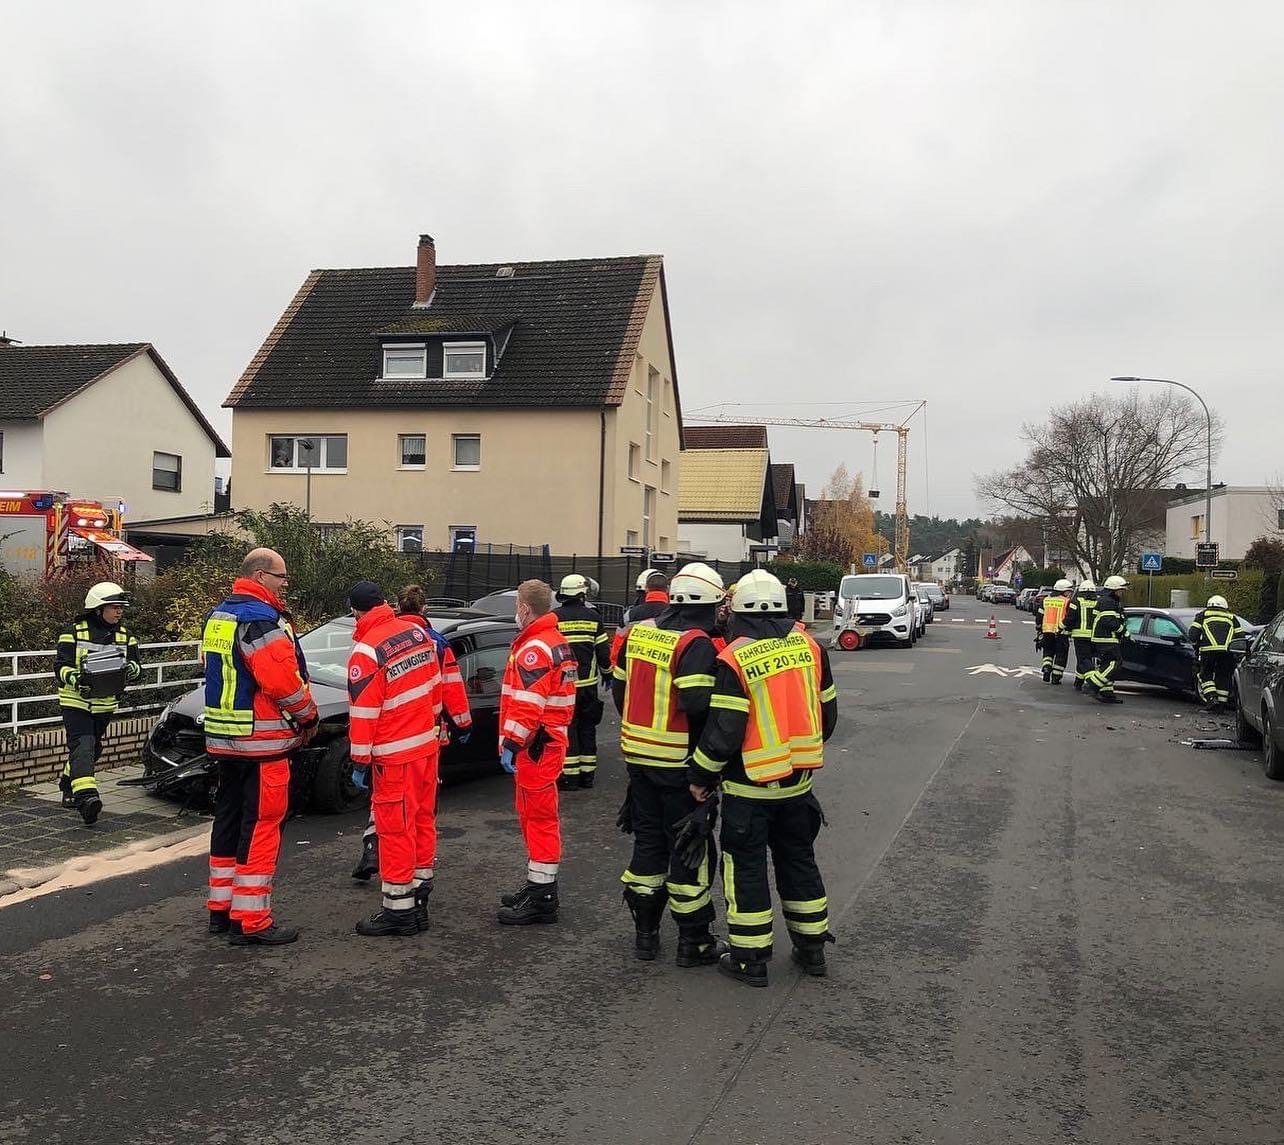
column 464, row 360
column 405, row 361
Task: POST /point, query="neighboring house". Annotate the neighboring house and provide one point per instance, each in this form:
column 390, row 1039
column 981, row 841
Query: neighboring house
column 107, row 422
column 1004, row 566
column 949, row 567
column 526, row 403
column 726, row 503
column 1241, row 514
column 785, row 493
column 724, row 437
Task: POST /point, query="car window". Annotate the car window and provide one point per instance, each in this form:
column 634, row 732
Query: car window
column 872, row 587
column 483, row 670
column 1132, row 624
column 1273, row 638
column 326, row 651
column 1165, row 628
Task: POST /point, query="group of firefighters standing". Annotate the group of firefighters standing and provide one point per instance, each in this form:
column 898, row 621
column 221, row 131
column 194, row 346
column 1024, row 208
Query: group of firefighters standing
column 1093, row 620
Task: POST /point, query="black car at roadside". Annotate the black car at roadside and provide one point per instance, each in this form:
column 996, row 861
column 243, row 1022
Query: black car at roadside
column 1158, row 649
column 174, row 759
column 1259, row 681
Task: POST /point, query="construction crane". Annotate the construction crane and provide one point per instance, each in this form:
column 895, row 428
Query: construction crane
column 900, row 546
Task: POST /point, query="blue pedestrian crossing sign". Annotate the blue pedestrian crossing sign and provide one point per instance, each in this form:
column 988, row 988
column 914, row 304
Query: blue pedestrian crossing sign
column 1152, row 562
column 870, row 560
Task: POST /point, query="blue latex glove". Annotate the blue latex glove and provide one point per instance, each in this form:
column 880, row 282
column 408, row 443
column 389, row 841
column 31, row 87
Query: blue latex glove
column 508, row 761
column 361, row 778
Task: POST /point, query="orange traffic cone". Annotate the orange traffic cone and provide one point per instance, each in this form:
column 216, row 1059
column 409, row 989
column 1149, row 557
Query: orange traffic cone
column 992, row 633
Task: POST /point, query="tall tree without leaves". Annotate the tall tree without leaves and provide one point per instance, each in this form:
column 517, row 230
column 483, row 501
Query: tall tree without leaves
column 841, row 525
column 1094, row 472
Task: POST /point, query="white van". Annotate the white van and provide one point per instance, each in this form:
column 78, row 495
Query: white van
column 873, row 605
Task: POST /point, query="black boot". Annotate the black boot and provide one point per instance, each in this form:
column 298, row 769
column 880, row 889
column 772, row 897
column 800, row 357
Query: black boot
column 1047, row 675
column 1108, row 698
column 647, row 911
column 1078, row 685
column 811, row 956
column 510, row 898
column 586, row 779
column 220, row 922
column 537, row 903
column 422, row 893
column 567, row 782
column 750, row 973
column 368, row 865
column 90, row 807
column 64, row 785
column 270, row 936
column 699, row 947
column 390, row 923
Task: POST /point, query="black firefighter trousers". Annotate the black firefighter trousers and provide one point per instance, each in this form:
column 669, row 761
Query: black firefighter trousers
column 788, row 828
column 581, row 746
column 1084, row 661
column 85, row 732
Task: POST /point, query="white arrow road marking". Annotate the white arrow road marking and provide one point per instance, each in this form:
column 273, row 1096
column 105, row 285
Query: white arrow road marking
column 998, row 670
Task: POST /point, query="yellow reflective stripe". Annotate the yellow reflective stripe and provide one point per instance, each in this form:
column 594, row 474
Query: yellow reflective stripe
column 659, row 735
column 804, row 906
column 730, row 703
column 618, row 673
column 694, row 681
column 702, row 760
column 830, row 693
column 796, row 927
column 768, row 791
column 642, row 882
column 688, row 906
column 66, row 638
column 88, row 783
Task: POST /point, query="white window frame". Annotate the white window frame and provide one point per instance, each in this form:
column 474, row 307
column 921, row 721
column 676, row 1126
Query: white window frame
column 402, row 348
column 635, row 461
column 462, row 348
column 652, row 421
column 455, row 439
column 403, row 532
column 177, row 471
column 455, row 530
column 322, row 451
column 666, row 476
column 401, row 452
column 639, row 374
column 631, row 538
column 648, row 514
column 1197, row 526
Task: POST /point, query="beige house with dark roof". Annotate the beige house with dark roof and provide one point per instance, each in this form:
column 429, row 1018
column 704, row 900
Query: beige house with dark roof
column 726, row 505
column 516, row 403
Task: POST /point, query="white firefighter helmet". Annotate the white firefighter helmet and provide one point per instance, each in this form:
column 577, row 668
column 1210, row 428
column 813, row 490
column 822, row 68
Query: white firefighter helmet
column 1115, row 583
column 759, row 591
column 1062, row 585
column 104, row 593
column 643, row 577
column 696, row 583
column 573, row 584
column 1217, row 602
column 1087, row 585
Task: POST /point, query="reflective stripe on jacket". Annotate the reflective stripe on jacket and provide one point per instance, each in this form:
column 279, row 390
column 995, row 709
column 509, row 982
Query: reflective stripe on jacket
column 1107, row 619
column 394, row 690
column 583, row 630
column 454, row 693
column 654, row 727
column 539, row 686
column 257, row 696
column 1054, row 613
column 89, row 634
column 1079, row 616
column 1213, row 629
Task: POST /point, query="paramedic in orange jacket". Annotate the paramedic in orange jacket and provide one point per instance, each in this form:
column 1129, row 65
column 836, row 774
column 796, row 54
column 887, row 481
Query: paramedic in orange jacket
column 535, row 710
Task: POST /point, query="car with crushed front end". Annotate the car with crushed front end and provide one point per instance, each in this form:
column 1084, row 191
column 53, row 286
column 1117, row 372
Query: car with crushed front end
column 174, row 758
column 1259, row 706
column 1157, row 648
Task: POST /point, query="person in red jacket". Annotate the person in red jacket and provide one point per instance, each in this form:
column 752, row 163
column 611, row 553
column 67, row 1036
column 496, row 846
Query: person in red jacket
column 258, row 709
column 394, row 693
column 457, row 725
column 535, row 710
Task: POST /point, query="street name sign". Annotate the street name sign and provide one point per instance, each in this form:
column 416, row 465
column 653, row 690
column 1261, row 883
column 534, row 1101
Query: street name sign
column 1224, row 574
column 633, row 550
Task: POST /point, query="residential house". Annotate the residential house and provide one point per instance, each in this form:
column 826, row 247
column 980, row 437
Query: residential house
column 788, row 507
column 1241, row 514
column 1005, row 565
column 949, row 567
column 527, row 403
column 109, row 422
column 726, row 505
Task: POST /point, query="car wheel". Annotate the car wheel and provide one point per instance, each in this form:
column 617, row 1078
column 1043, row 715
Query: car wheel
column 849, row 641
column 1272, row 754
column 1244, row 731
column 333, row 790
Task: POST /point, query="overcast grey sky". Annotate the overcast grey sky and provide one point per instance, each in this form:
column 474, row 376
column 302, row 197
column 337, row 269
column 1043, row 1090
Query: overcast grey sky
column 991, row 205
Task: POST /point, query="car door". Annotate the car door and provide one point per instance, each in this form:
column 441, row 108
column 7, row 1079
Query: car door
column 1250, row 675
column 1134, row 651
column 1171, row 654
column 482, row 659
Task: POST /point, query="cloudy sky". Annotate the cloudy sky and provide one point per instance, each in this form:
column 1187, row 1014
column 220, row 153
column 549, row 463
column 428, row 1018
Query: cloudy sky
column 992, row 205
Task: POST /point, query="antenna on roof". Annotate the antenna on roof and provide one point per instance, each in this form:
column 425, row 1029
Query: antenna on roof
column 504, row 272
column 5, row 340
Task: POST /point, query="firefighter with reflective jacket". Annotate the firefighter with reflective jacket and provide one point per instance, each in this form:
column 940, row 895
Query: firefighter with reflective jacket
column 1078, row 626
column 394, row 694
column 1053, row 639
column 1107, row 632
column 258, row 709
column 661, row 685
column 456, row 726
column 581, row 626
column 653, row 598
column 86, row 714
column 774, row 704
column 1212, row 631
column 536, row 705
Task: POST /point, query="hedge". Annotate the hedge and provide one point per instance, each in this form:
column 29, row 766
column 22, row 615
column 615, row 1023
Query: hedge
column 1247, row 595
column 812, row 576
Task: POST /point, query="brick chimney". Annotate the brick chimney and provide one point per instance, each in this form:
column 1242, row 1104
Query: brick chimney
column 425, row 270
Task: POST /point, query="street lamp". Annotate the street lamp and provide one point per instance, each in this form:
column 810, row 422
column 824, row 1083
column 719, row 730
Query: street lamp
column 1208, row 488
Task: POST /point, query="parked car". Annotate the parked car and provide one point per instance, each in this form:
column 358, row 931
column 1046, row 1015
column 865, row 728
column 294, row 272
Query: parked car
column 875, row 606
column 939, row 597
column 1025, row 598
column 1158, row 649
column 1259, row 707
column 1001, row 593
column 926, row 606
column 174, row 759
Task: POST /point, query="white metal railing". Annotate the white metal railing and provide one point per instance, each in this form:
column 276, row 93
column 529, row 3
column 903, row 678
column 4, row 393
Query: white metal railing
column 169, row 674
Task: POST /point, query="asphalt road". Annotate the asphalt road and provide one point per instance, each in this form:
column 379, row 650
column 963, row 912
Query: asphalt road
column 1055, row 923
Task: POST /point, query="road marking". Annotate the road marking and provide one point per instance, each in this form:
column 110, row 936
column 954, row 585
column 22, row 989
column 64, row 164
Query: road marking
column 958, row 619
column 999, row 670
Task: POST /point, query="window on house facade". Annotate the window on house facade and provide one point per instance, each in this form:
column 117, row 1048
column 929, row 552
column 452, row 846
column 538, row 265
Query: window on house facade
column 635, row 460
column 668, row 398
column 167, row 472
column 464, row 360
column 467, row 450
column 663, row 544
column 1196, row 526
column 652, row 396
column 405, row 361
column 412, row 448
column 1279, row 513
column 290, row 454
column 666, row 477
column 648, row 514
column 410, row 538
column 463, row 537
column 639, row 373
column 631, row 538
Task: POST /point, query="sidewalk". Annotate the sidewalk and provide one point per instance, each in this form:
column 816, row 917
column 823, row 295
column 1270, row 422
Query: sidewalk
column 36, row 831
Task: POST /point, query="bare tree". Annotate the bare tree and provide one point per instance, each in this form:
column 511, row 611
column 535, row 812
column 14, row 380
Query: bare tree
column 1275, row 514
column 1096, row 472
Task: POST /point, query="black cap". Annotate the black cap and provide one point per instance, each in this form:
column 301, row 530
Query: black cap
column 365, row 595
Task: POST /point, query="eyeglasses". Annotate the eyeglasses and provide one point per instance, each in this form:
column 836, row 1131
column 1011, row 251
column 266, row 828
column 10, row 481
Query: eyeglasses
column 279, row 576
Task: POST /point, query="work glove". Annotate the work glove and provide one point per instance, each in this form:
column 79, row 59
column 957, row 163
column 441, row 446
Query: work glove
column 508, row 761
column 462, row 737
column 361, row 776
column 132, row 671
column 85, row 688
column 693, row 832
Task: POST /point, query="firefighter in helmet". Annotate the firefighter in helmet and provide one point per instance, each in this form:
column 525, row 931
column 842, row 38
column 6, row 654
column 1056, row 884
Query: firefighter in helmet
column 581, row 625
column 1212, row 631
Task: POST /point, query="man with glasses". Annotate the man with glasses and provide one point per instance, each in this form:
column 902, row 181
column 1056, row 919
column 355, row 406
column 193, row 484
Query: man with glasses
column 258, row 709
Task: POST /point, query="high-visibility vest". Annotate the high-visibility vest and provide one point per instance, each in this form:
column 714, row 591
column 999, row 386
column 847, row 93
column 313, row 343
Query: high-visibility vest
column 1087, row 609
column 1054, row 612
column 69, row 697
column 653, row 727
column 781, row 678
column 1219, row 627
